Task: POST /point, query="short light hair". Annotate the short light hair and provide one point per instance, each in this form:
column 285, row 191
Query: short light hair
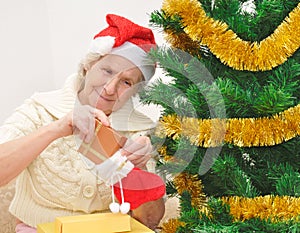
column 87, row 61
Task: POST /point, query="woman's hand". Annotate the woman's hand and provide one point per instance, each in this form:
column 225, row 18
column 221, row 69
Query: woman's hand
column 81, row 121
column 138, row 151
column 84, row 121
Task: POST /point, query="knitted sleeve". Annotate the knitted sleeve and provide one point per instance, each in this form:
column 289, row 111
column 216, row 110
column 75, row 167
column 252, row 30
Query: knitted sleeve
column 24, row 120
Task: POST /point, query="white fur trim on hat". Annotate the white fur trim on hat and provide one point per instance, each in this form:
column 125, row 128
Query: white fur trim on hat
column 138, row 57
column 104, row 45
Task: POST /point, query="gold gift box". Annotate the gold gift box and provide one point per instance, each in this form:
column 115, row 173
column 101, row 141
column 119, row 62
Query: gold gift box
column 94, row 223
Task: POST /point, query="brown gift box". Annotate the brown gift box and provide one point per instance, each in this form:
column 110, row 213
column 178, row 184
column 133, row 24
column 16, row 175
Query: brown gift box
column 104, row 144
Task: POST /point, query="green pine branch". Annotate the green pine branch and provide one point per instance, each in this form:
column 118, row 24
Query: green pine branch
column 197, row 83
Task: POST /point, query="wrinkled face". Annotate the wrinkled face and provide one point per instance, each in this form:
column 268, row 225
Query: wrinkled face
column 109, row 83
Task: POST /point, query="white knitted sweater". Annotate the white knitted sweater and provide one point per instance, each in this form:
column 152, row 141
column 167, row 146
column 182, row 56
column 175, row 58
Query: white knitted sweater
column 60, row 181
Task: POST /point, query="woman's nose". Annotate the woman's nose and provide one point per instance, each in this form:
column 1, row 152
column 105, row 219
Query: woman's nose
column 111, row 85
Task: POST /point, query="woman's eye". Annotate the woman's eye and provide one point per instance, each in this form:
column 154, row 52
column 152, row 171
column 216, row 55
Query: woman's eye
column 127, row 83
column 107, row 71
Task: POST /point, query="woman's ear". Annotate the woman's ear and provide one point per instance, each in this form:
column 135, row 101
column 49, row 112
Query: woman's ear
column 87, row 66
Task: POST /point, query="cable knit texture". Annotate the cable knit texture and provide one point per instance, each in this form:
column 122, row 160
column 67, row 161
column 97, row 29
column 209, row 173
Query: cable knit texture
column 60, row 181
column 7, row 221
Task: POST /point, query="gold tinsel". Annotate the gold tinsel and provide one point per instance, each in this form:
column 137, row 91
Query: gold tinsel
column 226, row 45
column 243, row 132
column 171, row 225
column 192, row 184
column 182, row 41
column 274, row 208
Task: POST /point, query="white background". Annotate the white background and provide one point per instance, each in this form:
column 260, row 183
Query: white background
column 42, row 41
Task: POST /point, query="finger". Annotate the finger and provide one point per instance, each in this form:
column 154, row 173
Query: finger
column 141, row 161
column 100, row 115
column 91, row 129
column 136, row 155
column 140, row 146
column 140, row 151
column 138, row 158
column 85, row 128
column 81, row 128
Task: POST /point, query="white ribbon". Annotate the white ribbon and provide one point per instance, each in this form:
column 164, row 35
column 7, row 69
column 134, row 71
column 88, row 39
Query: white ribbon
column 114, row 168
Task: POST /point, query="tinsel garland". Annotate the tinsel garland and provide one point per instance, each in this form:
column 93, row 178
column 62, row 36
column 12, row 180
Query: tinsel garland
column 192, row 184
column 243, row 132
column 171, row 225
column 274, row 208
column 227, row 46
column 183, row 41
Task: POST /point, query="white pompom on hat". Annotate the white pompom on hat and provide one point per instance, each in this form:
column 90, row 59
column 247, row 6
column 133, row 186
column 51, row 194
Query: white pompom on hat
column 124, row 38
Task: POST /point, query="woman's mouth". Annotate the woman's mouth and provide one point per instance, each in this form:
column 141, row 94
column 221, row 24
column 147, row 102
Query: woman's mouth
column 100, row 96
column 106, row 99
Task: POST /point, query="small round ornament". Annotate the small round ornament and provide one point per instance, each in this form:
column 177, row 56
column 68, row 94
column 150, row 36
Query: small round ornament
column 114, row 207
column 125, row 207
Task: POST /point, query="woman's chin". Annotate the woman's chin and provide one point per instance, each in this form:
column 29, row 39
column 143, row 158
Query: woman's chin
column 106, row 110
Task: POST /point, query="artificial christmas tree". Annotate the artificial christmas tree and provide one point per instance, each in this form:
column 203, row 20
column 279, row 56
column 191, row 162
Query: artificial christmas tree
column 230, row 125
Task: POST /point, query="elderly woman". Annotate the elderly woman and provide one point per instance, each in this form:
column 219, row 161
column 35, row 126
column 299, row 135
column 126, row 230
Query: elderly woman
column 38, row 143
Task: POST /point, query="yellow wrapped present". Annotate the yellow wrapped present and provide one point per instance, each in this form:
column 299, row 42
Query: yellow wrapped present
column 94, row 223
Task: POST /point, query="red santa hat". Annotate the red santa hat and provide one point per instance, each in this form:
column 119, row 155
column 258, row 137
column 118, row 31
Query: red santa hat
column 125, row 38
